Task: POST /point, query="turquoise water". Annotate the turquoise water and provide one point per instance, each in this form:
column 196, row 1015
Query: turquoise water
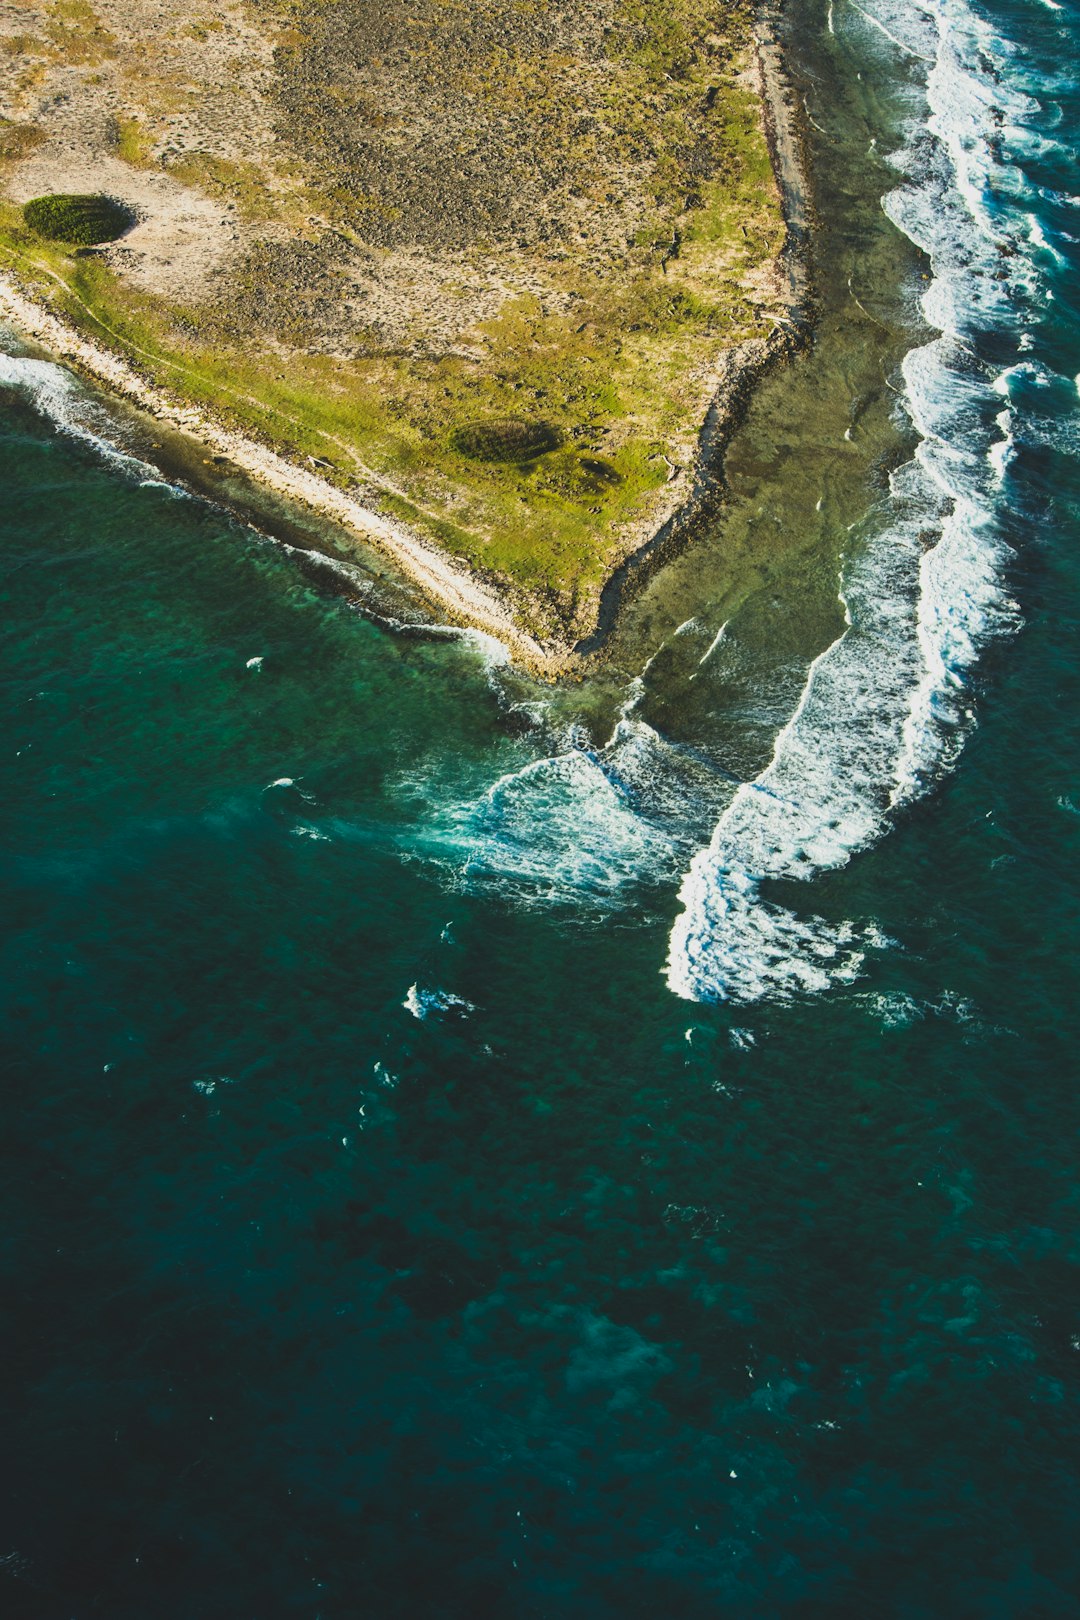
column 468, row 1149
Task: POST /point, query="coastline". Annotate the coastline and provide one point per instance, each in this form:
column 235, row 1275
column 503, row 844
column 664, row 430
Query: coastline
column 457, row 592
column 439, row 578
column 743, row 369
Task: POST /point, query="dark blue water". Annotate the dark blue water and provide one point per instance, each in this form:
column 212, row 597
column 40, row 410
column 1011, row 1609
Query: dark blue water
column 421, row 1196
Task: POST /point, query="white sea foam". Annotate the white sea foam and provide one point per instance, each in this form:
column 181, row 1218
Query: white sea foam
column 422, row 1003
column 559, row 829
column 713, row 644
column 59, row 396
column 885, row 707
column 583, row 826
column 893, row 1009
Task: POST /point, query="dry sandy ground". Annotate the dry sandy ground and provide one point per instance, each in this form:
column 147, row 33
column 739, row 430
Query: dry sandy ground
column 78, row 76
column 169, row 73
column 181, row 239
column 420, row 161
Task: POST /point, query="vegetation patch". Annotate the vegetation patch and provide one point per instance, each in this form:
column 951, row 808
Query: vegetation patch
column 82, row 219
column 132, row 142
column 600, row 472
column 508, row 439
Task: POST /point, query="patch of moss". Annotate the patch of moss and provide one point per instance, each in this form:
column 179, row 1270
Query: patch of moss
column 84, row 220
column 132, row 142
column 77, row 35
column 249, row 185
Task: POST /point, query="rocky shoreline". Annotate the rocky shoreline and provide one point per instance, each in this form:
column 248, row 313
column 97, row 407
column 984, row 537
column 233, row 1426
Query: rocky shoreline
column 742, row 369
column 455, row 591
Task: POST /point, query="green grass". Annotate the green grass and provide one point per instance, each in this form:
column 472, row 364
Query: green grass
column 545, row 525
column 246, row 184
column 132, row 142
column 80, row 219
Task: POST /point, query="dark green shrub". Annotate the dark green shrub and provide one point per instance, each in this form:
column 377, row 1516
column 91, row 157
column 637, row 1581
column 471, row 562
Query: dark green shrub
column 85, row 220
column 599, row 473
column 508, row 439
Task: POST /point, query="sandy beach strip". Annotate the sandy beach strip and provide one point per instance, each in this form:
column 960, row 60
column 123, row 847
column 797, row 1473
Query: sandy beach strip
column 447, row 584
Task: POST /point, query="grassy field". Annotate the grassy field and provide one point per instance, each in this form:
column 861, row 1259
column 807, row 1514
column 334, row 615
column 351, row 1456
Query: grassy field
column 595, row 361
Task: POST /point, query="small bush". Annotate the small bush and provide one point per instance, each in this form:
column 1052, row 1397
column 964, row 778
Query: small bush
column 509, row 439
column 85, row 220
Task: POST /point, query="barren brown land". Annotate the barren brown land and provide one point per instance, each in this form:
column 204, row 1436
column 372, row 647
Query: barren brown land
column 466, row 277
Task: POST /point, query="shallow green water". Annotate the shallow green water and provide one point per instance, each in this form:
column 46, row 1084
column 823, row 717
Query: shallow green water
column 570, row 1297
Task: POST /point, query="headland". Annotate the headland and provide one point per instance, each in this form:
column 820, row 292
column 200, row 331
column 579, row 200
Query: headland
column 394, row 279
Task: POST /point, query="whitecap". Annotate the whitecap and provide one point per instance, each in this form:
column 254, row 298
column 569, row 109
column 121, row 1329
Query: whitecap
column 59, row 396
column 893, row 1009
column 422, row 1003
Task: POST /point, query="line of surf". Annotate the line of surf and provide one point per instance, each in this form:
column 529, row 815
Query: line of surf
column 885, row 707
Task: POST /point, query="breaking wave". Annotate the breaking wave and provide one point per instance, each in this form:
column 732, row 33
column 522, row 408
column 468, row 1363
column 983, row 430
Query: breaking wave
column 885, row 708
column 58, row 395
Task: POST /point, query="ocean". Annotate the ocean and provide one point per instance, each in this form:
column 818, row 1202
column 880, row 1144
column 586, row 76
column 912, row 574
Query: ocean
column 474, row 1147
